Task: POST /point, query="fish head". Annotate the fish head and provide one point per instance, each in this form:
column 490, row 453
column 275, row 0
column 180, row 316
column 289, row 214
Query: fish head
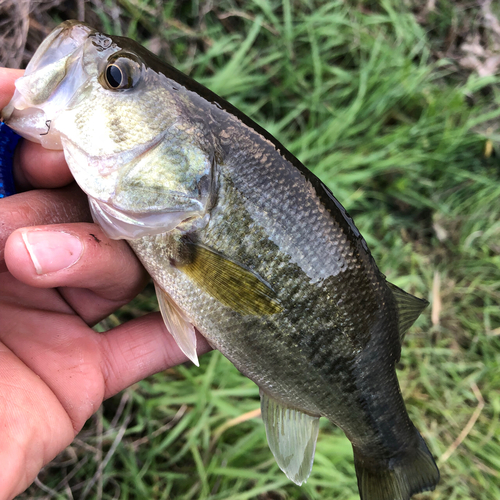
column 127, row 138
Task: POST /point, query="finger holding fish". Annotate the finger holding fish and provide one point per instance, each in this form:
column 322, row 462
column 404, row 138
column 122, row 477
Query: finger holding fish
column 7, row 84
column 39, row 168
column 82, row 261
column 41, row 206
column 55, row 370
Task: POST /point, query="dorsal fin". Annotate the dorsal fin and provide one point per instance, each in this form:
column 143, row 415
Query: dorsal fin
column 409, row 308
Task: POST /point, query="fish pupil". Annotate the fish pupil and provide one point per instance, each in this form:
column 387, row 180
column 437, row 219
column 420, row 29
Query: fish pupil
column 114, row 76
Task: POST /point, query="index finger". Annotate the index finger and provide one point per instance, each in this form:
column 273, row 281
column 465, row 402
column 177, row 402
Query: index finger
column 34, row 166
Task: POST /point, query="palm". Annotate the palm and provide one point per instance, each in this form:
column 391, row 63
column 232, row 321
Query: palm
column 50, row 378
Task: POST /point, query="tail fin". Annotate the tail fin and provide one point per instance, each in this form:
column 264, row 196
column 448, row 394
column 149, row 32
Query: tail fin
column 413, row 472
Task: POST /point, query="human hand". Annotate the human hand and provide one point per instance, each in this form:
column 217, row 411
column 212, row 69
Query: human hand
column 59, row 275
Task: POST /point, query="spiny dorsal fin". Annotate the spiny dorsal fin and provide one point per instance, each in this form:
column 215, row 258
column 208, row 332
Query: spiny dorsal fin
column 229, row 282
column 409, row 308
column 177, row 324
column 292, row 436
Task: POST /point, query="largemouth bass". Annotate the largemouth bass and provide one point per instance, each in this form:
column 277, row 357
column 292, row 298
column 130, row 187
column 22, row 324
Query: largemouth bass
column 243, row 243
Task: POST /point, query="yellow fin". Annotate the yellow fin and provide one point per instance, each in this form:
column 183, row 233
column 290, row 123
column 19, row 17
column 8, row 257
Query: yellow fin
column 177, row 324
column 232, row 284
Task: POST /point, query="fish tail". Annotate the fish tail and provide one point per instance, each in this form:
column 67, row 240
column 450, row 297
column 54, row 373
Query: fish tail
column 411, row 472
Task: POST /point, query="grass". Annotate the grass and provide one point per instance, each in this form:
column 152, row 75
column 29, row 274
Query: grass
column 373, row 97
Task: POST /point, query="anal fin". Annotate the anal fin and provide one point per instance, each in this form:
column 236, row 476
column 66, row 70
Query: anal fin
column 292, row 436
column 177, row 324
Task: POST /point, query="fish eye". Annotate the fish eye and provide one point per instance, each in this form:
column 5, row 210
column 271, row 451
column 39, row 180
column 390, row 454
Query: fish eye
column 121, row 72
column 114, row 76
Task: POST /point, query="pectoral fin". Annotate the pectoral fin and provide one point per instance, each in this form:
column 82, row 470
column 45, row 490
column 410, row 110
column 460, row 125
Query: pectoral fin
column 229, row 282
column 409, row 308
column 178, row 325
column 292, row 436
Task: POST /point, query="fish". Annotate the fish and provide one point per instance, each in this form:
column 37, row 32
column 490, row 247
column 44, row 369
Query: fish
column 243, row 243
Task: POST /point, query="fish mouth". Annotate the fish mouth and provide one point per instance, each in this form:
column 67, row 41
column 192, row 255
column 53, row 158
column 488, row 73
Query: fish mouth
column 59, row 44
column 49, row 84
column 33, row 124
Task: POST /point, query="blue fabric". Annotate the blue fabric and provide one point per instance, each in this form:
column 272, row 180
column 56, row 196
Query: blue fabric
column 8, row 143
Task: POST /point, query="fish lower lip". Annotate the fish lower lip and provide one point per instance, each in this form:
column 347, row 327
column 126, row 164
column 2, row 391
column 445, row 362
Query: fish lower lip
column 32, row 124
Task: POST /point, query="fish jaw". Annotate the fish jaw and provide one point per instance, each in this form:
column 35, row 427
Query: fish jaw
column 121, row 226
